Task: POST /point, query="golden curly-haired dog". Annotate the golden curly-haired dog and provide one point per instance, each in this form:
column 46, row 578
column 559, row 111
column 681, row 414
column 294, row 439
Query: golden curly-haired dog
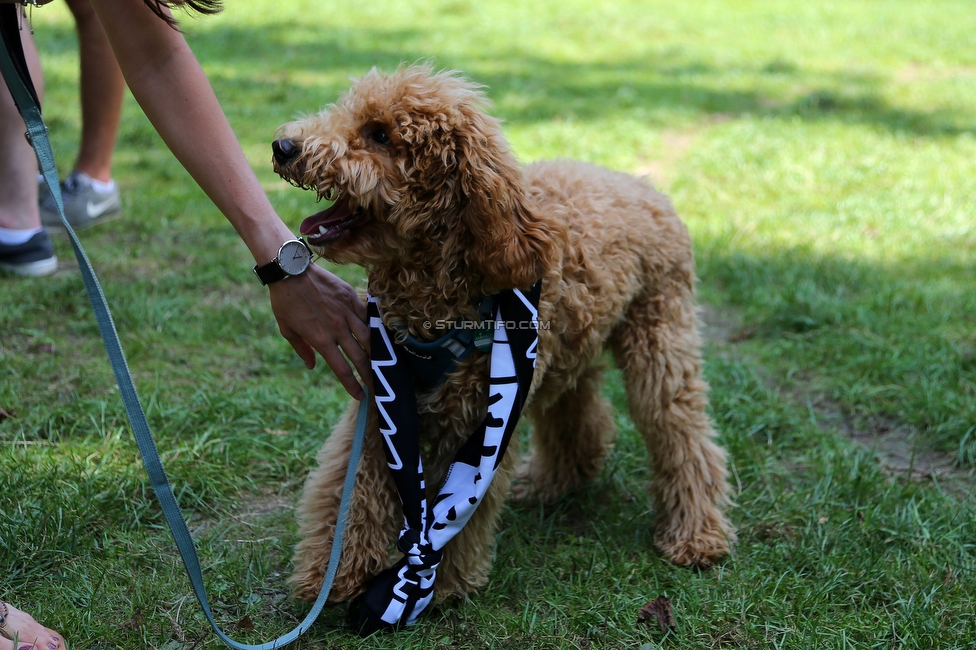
column 431, row 201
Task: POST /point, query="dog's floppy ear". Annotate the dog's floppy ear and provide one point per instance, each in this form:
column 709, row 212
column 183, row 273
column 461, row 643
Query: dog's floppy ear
column 510, row 246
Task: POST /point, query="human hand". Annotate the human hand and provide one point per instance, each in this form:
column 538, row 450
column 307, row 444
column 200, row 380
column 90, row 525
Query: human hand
column 317, row 311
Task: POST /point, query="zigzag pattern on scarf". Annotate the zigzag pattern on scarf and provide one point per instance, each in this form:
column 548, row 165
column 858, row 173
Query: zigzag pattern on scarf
column 397, row 596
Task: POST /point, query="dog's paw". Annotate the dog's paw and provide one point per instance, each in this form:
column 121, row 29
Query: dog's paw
column 702, row 547
column 522, row 491
column 529, row 486
column 522, row 488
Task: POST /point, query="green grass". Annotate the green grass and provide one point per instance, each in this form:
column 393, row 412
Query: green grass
column 822, row 156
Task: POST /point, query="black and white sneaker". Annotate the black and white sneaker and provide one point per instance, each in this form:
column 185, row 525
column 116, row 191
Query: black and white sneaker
column 34, row 258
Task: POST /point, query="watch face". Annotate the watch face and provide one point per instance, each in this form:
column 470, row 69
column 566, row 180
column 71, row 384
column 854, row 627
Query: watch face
column 294, row 257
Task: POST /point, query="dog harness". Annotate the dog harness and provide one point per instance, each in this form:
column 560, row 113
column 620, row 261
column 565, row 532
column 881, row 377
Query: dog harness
column 397, row 596
column 430, row 361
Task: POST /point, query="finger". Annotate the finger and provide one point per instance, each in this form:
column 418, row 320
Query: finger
column 359, row 307
column 302, row 348
column 343, row 373
column 359, row 358
column 360, row 330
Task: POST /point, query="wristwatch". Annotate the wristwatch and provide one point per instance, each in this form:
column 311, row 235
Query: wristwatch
column 293, row 258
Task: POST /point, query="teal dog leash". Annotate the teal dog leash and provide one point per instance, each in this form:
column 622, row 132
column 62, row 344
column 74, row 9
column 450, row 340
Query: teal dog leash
column 14, row 70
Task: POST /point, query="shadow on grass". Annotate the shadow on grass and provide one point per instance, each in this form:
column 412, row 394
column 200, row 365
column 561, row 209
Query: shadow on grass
column 891, row 340
column 871, row 319
column 549, row 89
column 274, row 63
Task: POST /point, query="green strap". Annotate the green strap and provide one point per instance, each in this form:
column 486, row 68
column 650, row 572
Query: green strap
column 24, row 97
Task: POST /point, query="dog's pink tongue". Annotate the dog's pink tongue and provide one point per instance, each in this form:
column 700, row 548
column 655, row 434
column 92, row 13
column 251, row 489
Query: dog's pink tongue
column 326, row 218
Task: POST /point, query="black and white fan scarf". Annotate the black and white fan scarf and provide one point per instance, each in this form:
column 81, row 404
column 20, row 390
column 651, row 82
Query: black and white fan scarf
column 397, row 596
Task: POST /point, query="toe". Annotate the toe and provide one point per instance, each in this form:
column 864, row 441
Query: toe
column 30, row 634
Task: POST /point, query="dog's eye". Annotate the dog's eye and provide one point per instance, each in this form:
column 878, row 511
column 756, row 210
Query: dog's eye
column 380, row 136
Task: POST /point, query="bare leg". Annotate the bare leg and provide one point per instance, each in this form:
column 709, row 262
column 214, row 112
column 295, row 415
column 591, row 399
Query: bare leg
column 658, row 350
column 570, row 440
column 18, row 164
column 102, row 89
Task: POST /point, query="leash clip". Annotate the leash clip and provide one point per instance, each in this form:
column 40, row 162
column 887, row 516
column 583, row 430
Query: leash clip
column 30, row 140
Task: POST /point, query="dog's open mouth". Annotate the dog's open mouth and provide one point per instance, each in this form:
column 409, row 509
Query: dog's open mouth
column 328, row 225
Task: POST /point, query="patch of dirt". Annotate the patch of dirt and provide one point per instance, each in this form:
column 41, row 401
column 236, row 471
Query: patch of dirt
column 249, row 519
column 896, row 446
column 901, row 452
column 263, row 505
column 919, row 72
column 722, row 324
column 659, row 169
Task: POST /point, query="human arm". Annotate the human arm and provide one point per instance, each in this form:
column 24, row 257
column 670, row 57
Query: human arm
column 316, row 310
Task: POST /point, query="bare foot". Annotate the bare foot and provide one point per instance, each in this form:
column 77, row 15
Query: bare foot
column 30, row 634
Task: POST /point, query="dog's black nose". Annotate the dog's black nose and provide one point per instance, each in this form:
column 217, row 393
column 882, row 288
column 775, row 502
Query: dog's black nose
column 284, row 150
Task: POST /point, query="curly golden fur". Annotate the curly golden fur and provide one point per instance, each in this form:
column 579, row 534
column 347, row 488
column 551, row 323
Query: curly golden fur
column 431, row 201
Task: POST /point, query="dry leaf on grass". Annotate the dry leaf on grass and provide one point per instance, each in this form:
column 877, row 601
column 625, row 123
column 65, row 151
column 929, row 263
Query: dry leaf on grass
column 245, row 623
column 136, row 621
column 660, row 608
